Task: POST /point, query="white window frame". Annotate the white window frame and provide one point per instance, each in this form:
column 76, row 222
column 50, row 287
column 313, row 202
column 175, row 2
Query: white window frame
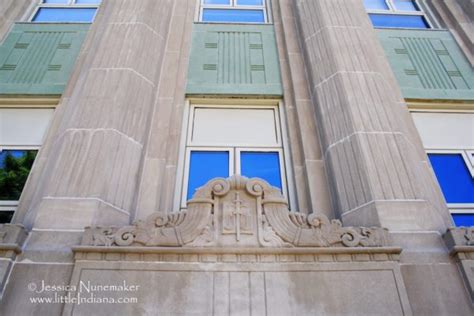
column 458, row 208
column 187, row 146
column 70, row 5
column 233, row 6
column 392, row 10
column 8, row 206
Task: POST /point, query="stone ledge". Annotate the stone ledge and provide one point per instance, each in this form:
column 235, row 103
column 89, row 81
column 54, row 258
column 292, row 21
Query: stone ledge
column 462, row 252
column 263, row 255
column 12, row 237
column 460, row 238
column 9, row 250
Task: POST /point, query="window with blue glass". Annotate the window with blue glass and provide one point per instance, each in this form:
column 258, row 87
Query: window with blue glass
column 234, row 11
column 66, row 11
column 263, row 165
column 227, row 140
column 204, row 166
column 396, row 14
column 456, row 178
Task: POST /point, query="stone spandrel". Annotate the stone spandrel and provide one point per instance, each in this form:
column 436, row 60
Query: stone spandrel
column 236, row 212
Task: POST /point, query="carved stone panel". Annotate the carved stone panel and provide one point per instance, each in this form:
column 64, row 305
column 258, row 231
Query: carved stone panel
column 237, row 212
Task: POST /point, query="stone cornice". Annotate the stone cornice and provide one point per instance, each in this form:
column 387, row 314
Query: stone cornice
column 230, row 254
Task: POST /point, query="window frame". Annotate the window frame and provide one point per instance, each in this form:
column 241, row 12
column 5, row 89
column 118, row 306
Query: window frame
column 32, row 104
column 12, row 205
column 282, row 146
column 265, row 7
column 7, row 206
column 238, row 167
column 392, row 10
column 457, row 208
column 70, row 5
column 187, row 165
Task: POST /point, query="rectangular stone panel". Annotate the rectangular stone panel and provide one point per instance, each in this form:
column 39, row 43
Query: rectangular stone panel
column 183, row 288
column 428, row 64
column 38, row 58
column 234, row 59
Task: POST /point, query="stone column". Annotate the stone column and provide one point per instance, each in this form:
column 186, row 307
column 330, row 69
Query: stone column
column 458, row 17
column 377, row 168
column 88, row 170
column 11, row 11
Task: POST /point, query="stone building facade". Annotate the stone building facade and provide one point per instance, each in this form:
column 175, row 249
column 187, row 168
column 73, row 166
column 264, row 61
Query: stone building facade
column 238, row 157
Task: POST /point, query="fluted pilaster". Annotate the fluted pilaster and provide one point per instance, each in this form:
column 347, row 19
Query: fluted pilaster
column 88, row 171
column 378, row 171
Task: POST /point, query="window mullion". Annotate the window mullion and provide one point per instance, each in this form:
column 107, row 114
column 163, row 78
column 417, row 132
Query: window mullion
column 391, row 5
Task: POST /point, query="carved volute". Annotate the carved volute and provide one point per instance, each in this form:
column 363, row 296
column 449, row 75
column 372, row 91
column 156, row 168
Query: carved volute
column 237, row 212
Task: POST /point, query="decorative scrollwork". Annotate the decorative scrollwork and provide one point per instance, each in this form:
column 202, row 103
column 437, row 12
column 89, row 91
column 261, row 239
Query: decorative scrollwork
column 256, row 212
column 469, row 235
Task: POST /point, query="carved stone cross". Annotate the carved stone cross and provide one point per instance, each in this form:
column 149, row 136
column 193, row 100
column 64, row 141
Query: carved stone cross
column 238, row 212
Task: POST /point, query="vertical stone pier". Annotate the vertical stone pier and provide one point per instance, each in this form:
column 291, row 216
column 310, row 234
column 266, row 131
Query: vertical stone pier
column 91, row 161
column 377, row 168
column 11, row 11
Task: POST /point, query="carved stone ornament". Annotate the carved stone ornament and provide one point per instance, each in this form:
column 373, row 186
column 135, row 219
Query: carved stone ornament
column 12, row 234
column 459, row 236
column 469, row 235
column 237, row 212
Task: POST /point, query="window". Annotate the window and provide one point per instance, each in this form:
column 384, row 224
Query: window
column 72, row 11
column 15, row 166
column 455, row 173
column 233, row 11
column 225, row 140
column 396, row 14
column 21, row 135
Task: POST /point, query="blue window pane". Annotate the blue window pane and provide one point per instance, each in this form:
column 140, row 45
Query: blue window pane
column 217, row 2
column 243, row 16
column 465, row 220
column 65, row 15
column 204, row 166
column 393, row 20
column 405, row 5
column 454, row 177
column 375, row 5
column 249, row 2
column 265, row 165
column 56, row 1
column 13, row 153
column 88, row 1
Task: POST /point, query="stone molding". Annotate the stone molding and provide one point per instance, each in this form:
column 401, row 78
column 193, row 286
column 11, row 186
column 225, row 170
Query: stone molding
column 12, row 237
column 236, row 212
column 460, row 242
column 230, row 255
column 457, row 237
